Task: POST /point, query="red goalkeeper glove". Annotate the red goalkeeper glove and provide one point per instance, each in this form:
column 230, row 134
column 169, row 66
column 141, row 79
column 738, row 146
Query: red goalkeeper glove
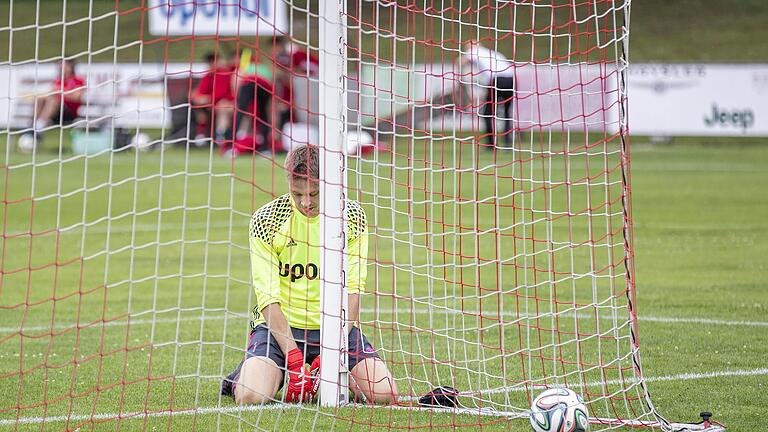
column 315, row 371
column 300, row 385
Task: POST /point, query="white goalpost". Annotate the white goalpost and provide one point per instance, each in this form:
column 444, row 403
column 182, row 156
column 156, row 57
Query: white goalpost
column 334, row 379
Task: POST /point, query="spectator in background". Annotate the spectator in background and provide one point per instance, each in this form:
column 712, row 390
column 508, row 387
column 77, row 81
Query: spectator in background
column 61, row 106
column 213, row 100
column 255, row 105
column 296, row 79
column 294, row 58
column 495, row 76
column 297, row 68
column 264, row 94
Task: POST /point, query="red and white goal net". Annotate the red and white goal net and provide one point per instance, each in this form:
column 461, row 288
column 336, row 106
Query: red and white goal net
column 500, row 261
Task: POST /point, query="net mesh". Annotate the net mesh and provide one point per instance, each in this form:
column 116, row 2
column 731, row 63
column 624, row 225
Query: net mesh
column 500, row 258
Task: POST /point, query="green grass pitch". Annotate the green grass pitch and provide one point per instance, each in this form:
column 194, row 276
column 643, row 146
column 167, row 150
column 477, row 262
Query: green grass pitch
column 700, row 231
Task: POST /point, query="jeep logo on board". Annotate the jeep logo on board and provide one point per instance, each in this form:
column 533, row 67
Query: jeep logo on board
column 298, row 271
column 739, row 118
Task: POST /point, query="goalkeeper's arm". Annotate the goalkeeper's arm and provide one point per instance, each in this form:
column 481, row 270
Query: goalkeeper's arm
column 278, row 327
column 301, row 387
column 357, row 273
column 266, row 284
column 353, row 313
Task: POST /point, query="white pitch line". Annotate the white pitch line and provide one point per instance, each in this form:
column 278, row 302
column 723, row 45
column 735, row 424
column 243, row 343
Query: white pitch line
column 694, row 320
column 631, row 380
column 236, row 409
column 123, row 228
column 117, row 323
column 720, row 374
column 141, row 415
column 437, row 312
column 488, row 314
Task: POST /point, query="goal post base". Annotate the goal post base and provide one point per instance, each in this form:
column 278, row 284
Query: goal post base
column 697, row 427
column 412, row 405
column 704, row 425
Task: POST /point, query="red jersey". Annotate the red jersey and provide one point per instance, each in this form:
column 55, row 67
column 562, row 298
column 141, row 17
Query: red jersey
column 69, row 84
column 295, row 61
column 298, row 59
column 260, row 81
column 301, row 59
column 217, row 84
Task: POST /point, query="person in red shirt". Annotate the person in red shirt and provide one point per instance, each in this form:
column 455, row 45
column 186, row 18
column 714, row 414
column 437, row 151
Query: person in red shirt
column 295, row 67
column 257, row 108
column 62, row 104
column 213, row 99
column 295, row 58
column 265, row 94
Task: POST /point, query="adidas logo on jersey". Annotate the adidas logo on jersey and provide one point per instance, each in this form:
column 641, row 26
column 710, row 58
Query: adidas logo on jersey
column 291, row 243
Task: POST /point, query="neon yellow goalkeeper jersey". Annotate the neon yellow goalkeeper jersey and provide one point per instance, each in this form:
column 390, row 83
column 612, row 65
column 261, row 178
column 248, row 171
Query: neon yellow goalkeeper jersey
column 285, row 260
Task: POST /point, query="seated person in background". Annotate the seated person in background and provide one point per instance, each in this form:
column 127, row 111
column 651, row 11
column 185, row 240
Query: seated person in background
column 213, row 100
column 264, row 94
column 254, row 127
column 293, row 60
column 60, row 106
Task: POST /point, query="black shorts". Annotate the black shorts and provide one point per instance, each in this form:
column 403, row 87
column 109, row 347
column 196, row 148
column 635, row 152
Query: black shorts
column 262, row 344
column 66, row 116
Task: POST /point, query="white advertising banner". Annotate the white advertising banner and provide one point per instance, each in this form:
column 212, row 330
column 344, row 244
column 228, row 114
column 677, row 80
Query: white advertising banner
column 664, row 99
column 134, row 95
column 562, row 97
column 225, row 18
column 698, row 99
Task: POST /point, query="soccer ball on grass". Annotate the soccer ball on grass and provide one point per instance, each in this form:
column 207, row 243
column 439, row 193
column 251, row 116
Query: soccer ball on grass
column 26, row 143
column 141, row 141
column 559, row 409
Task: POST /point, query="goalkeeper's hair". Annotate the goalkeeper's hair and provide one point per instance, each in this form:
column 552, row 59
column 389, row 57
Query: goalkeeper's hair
column 303, row 162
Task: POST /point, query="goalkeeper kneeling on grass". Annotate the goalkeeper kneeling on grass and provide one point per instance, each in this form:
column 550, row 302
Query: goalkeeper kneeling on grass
column 285, row 324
